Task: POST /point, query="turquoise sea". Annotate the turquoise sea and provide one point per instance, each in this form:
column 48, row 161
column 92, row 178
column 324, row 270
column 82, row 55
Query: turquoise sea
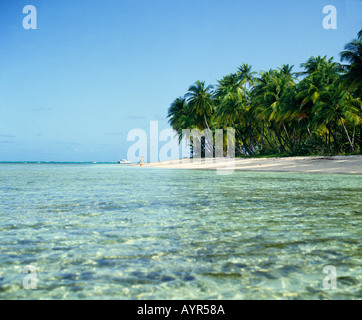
column 105, row 231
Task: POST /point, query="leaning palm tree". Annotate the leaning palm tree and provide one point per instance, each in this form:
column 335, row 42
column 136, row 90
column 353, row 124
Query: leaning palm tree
column 176, row 111
column 179, row 116
column 200, row 100
column 320, row 73
column 269, row 99
column 335, row 107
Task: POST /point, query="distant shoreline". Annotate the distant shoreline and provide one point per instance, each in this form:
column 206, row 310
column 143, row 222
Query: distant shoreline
column 315, row 164
column 56, row 162
column 302, row 164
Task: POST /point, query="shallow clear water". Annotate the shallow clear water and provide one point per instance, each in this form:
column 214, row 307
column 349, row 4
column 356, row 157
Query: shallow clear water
column 112, row 232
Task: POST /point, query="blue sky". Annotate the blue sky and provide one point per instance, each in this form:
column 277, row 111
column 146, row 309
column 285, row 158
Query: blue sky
column 72, row 89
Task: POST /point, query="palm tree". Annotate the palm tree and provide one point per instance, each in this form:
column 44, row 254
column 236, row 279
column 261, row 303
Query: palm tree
column 246, row 76
column 353, row 54
column 232, row 109
column 312, row 65
column 269, row 97
column 335, row 107
column 277, row 113
column 286, row 71
column 353, row 78
column 179, row 116
column 227, row 84
column 322, row 74
column 200, row 100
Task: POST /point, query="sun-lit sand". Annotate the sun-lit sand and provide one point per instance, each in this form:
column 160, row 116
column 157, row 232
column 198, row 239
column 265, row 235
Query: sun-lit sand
column 319, row 164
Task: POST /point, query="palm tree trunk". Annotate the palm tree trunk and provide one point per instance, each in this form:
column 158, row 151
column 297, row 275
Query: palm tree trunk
column 360, row 139
column 270, row 144
column 207, row 125
column 245, row 145
column 262, row 136
column 274, row 139
column 289, row 140
column 301, row 133
column 280, row 140
column 252, row 139
column 336, row 146
column 345, row 130
column 248, row 149
column 306, row 125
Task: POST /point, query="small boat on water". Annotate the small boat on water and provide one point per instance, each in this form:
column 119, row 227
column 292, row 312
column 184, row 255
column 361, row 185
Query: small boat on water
column 124, row 161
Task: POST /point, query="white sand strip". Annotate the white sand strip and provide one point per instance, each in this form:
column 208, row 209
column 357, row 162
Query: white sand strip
column 320, row 164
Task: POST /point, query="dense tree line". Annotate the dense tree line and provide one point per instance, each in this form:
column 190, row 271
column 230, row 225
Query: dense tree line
column 281, row 112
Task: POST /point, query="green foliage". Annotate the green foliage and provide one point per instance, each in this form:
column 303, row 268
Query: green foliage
column 279, row 112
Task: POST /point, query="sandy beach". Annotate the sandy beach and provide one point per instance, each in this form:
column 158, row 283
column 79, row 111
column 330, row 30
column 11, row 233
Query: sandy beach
column 318, row 164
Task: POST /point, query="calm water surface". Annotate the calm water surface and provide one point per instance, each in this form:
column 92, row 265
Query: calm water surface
column 111, row 232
